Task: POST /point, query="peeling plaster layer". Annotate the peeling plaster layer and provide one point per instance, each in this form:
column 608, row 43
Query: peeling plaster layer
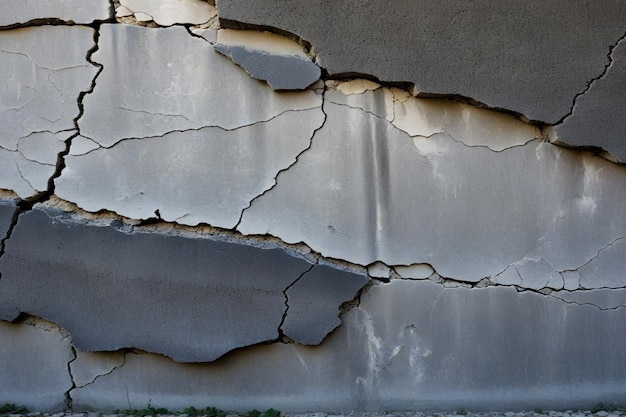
column 534, row 203
column 598, row 116
column 191, row 299
column 507, row 55
column 44, row 70
column 200, row 176
column 167, row 12
column 410, row 345
column 167, row 80
column 15, row 12
column 33, row 365
column 269, row 57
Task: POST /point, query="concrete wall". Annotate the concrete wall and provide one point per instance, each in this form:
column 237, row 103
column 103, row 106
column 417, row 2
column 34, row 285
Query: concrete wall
column 312, row 206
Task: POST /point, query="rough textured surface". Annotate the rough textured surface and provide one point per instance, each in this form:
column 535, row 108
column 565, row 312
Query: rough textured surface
column 188, row 86
column 33, row 365
column 44, row 70
column 439, row 194
column 410, row 345
column 314, row 302
column 269, row 57
column 77, row 11
column 507, row 54
column 167, row 12
column 88, row 366
column 598, row 116
column 191, row 299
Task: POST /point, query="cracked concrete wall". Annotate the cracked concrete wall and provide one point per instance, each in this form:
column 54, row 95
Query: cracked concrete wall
column 277, row 206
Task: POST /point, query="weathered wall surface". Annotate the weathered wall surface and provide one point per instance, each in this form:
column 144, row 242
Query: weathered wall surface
column 217, row 205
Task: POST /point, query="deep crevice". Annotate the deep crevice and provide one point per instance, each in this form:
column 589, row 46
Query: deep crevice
column 281, row 335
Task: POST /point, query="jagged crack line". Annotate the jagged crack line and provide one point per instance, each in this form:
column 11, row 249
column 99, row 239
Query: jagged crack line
column 68, row 397
column 192, row 129
column 104, row 374
column 587, row 304
column 282, row 321
column 590, row 83
column 289, row 167
column 41, row 197
column 6, row 238
column 596, row 255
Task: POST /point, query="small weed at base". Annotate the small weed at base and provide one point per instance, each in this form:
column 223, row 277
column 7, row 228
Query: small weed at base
column 11, row 409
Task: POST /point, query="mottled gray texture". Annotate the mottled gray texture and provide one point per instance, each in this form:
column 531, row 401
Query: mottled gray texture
column 33, row 366
column 598, row 118
column 167, row 80
column 44, row 69
column 282, row 72
column 191, row 299
column 314, row 302
column 201, row 176
column 468, row 211
column 7, row 212
column 607, row 269
column 532, row 57
column 410, row 345
column 91, row 365
column 14, row 12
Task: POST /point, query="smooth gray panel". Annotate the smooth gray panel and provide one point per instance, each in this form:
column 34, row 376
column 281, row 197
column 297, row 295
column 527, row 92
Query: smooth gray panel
column 14, row 12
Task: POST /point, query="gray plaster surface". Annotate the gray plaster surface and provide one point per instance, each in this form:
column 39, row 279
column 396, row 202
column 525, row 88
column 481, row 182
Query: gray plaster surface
column 14, row 12
column 208, row 175
column 508, row 55
column 264, row 57
column 409, row 345
column 536, row 207
column 33, row 366
column 178, row 83
column 314, row 302
column 44, row 70
column 598, row 116
column 87, row 366
column 191, row 299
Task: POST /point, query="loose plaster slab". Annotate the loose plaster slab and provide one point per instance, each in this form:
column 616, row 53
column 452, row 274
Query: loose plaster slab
column 191, row 299
column 421, row 200
column 178, row 83
column 13, row 12
column 44, row 70
column 269, row 57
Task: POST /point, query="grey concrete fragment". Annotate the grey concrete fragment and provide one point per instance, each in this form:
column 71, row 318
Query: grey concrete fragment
column 507, row 55
column 410, row 345
column 167, row 13
column 13, row 12
column 33, row 365
column 602, row 298
column 88, row 366
column 606, row 269
column 597, row 118
column 379, row 270
column 314, row 302
column 45, row 70
column 188, row 86
column 269, row 57
column 190, row 299
column 201, row 176
column 406, row 200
